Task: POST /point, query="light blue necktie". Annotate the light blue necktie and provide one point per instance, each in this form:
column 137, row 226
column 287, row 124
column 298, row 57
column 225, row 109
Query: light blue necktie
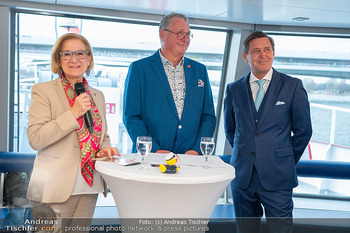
column 260, row 94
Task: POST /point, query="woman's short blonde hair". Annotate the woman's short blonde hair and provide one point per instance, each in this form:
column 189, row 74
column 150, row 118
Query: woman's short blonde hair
column 55, row 55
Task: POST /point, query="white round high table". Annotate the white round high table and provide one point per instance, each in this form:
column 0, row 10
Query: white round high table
column 191, row 193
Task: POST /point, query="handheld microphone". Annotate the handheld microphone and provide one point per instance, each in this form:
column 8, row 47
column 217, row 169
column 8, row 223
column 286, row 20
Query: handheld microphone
column 79, row 88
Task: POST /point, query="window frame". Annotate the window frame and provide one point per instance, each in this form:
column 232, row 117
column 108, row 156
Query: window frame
column 13, row 77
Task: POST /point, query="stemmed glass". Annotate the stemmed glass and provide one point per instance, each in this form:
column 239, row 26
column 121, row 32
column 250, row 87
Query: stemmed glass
column 143, row 146
column 207, row 148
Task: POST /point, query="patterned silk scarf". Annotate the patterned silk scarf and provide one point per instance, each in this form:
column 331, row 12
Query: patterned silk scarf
column 89, row 143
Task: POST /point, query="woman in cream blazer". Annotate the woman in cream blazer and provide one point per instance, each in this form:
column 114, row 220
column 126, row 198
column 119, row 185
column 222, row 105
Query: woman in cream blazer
column 56, row 129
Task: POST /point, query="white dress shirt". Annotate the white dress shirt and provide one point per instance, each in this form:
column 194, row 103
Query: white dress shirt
column 255, row 87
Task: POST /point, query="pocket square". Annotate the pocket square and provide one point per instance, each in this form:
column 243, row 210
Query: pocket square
column 280, row 103
column 200, row 83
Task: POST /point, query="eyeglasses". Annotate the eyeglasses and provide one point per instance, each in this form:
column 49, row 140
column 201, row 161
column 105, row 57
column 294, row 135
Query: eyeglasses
column 181, row 34
column 67, row 55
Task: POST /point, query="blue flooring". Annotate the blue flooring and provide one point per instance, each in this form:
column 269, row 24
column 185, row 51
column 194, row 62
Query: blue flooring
column 220, row 211
column 227, row 211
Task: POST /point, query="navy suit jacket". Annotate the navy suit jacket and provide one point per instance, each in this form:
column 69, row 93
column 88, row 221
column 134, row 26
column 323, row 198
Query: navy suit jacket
column 265, row 139
column 149, row 107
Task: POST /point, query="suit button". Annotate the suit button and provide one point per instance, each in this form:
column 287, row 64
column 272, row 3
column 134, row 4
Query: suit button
column 256, row 121
column 180, row 126
column 256, row 134
column 252, row 153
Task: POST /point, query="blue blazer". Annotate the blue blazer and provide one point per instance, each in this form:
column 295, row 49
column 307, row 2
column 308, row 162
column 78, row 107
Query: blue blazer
column 264, row 138
column 149, row 107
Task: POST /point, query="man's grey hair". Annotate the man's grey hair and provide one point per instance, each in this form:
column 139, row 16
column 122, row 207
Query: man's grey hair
column 165, row 21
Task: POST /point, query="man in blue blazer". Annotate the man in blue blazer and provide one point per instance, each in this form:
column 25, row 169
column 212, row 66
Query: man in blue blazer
column 267, row 140
column 168, row 96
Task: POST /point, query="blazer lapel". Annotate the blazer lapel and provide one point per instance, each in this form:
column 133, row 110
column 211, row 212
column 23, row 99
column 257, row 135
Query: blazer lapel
column 158, row 67
column 98, row 101
column 191, row 83
column 273, row 90
column 245, row 95
column 60, row 92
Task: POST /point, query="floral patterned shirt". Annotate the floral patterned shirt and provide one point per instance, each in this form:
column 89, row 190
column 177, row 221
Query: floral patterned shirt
column 177, row 82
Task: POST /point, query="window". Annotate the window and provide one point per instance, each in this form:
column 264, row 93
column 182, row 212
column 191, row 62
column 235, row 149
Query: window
column 115, row 46
column 323, row 64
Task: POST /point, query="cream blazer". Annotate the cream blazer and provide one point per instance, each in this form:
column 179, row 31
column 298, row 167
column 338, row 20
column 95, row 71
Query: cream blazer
column 52, row 132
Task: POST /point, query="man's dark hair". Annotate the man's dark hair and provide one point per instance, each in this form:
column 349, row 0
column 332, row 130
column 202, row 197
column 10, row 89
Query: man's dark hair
column 255, row 35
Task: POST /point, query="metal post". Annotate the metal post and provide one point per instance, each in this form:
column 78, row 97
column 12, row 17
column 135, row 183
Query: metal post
column 334, row 120
column 2, row 185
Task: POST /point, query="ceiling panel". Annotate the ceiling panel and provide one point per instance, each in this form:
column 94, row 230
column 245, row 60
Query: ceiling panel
column 204, row 8
column 283, row 14
column 322, row 13
column 41, row 1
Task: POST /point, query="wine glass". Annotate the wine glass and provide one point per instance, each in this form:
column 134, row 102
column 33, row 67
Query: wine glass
column 143, row 146
column 207, row 148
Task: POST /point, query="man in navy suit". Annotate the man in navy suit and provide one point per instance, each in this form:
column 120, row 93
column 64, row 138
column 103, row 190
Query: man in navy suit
column 268, row 131
column 168, row 96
